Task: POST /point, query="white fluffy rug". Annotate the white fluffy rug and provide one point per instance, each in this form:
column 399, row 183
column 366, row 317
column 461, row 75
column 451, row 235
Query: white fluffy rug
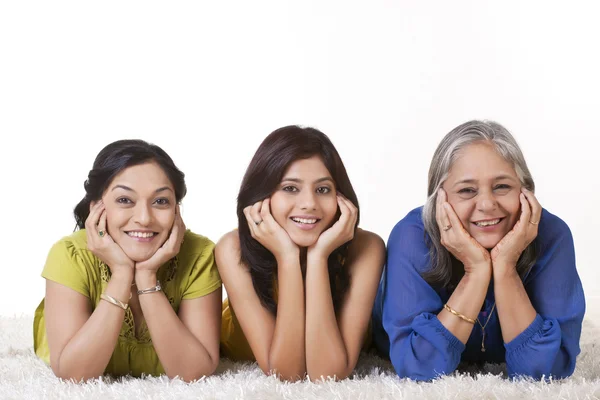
column 23, row 376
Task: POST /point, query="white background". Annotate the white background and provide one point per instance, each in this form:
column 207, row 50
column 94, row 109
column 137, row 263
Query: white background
column 207, row 81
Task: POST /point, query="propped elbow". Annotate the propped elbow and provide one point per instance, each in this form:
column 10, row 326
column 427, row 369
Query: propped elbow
column 193, row 375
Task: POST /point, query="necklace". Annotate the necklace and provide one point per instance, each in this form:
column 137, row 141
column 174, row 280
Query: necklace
column 483, row 328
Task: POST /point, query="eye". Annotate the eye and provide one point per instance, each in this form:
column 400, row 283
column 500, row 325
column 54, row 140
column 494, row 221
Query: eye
column 289, row 189
column 467, row 193
column 162, row 201
column 502, row 188
column 124, row 200
column 323, row 190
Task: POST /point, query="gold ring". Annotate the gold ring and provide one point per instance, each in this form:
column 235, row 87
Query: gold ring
column 534, row 223
column 101, row 233
column 447, row 228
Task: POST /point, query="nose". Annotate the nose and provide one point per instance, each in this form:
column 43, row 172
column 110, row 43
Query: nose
column 143, row 214
column 307, row 200
column 486, row 201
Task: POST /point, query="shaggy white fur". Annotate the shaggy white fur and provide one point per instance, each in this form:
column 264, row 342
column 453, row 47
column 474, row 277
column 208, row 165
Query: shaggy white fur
column 23, row 376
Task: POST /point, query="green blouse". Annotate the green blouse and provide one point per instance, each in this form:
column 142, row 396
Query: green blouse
column 191, row 274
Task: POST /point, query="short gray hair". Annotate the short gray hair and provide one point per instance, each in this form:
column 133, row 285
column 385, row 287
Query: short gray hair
column 440, row 273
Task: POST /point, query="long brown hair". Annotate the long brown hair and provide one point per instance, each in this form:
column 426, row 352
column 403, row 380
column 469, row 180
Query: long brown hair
column 281, row 148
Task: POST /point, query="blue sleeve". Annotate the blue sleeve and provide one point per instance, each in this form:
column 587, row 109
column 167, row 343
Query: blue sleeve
column 421, row 348
column 550, row 345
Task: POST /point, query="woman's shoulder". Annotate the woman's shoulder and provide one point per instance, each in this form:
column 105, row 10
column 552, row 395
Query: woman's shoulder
column 196, row 243
column 70, row 254
column 368, row 246
column 227, row 249
column 552, row 228
column 410, row 227
column 75, row 243
column 364, row 239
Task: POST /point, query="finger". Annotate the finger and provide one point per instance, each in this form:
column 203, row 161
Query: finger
column 445, row 223
column 536, row 207
column 102, row 224
column 344, row 210
column 91, row 221
column 351, row 207
column 348, row 210
column 255, row 212
column 265, row 212
column 176, row 235
column 525, row 210
column 439, row 209
column 453, row 223
column 250, row 221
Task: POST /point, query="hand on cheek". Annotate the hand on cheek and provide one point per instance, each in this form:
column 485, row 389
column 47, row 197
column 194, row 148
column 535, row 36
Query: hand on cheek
column 101, row 244
column 506, row 253
column 169, row 249
column 457, row 240
column 266, row 231
column 340, row 232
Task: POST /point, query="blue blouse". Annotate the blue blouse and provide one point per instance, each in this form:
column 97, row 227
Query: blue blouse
column 405, row 324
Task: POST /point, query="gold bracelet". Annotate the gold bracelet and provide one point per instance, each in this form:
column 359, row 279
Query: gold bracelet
column 459, row 315
column 114, row 301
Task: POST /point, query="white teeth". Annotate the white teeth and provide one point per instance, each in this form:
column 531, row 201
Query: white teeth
column 141, row 234
column 488, row 223
column 304, row 221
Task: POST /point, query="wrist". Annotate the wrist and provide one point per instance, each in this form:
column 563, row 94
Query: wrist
column 314, row 255
column 291, row 259
column 124, row 275
column 145, row 279
column 504, row 272
column 479, row 273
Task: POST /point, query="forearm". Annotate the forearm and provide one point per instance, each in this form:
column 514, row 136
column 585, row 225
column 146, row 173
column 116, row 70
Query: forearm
column 467, row 299
column 515, row 310
column 180, row 352
column 326, row 353
column 88, row 352
column 287, row 354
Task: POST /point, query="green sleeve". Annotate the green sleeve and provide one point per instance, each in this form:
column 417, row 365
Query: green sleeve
column 67, row 265
column 203, row 276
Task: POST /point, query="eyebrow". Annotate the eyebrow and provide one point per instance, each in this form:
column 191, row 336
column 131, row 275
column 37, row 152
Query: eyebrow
column 162, row 189
column 297, row 180
column 498, row 178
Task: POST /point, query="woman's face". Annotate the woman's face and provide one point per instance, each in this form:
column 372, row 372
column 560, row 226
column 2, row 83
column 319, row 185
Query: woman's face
column 140, row 210
column 305, row 202
column 483, row 188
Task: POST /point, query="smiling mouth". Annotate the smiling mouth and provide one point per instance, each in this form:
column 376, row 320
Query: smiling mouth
column 489, row 222
column 145, row 235
column 305, row 221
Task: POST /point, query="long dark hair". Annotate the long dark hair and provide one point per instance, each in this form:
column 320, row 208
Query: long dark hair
column 113, row 159
column 264, row 174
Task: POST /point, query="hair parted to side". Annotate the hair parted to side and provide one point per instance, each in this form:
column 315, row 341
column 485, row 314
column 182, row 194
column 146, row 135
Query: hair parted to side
column 116, row 157
column 265, row 172
column 440, row 273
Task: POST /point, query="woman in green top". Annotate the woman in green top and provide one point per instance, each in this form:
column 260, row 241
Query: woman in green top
column 132, row 291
